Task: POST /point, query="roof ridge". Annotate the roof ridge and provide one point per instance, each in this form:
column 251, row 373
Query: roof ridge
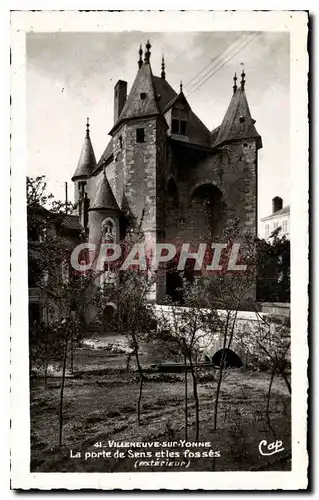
column 284, row 210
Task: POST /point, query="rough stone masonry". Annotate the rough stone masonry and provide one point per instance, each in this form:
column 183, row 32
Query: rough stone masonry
column 164, row 176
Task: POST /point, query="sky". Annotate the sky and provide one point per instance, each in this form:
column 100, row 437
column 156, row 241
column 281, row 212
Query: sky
column 71, row 76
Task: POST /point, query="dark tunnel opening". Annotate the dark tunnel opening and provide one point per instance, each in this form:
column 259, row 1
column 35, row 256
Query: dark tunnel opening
column 232, row 360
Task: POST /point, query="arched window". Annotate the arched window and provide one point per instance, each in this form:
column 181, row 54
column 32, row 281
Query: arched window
column 108, row 230
column 109, row 227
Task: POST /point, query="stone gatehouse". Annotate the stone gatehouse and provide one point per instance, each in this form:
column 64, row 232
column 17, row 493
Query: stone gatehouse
column 164, row 176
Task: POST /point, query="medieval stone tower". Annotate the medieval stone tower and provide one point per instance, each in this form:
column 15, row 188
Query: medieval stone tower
column 164, row 176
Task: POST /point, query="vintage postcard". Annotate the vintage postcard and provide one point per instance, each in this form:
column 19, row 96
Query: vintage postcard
column 159, row 200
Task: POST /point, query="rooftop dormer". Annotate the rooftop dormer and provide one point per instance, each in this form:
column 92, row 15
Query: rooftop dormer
column 177, row 116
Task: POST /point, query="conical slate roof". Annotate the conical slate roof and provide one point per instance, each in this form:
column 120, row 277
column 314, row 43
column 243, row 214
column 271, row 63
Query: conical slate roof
column 164, row 90
column 87, row 161
column 237, row 123
column 142, row 99
column 104, row 198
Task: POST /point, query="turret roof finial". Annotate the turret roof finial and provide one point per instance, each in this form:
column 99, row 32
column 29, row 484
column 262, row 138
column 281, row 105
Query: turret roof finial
column 147, row 52
column 235, row 83
column 181, row 86
column 140, row 61
column 87, row 127
column 163, row 68
column 243, row 81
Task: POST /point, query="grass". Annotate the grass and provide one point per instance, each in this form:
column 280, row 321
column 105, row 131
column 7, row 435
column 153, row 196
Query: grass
column 100, row 405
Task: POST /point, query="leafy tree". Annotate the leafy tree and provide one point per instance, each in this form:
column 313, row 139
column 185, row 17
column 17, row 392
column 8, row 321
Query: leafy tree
column 66, row 300
column 135, row 317
column 46, row 249
column 230, row 292
column 43, row 348
column 37, row 191
column 187, row 331
column 63, row 294
column 273, row 283
column 37, row 195
column 274, row 341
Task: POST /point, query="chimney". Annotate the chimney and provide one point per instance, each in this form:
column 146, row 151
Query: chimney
column 119, row 98
column 276, row 204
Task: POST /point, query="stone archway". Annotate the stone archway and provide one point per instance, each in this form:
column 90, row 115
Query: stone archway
column 231, row 359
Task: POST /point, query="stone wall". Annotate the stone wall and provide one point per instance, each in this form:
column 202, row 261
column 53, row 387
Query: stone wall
column 252, row 333
column 141, row 171
column 275, row 308
column 136, row 174
column 232, row 170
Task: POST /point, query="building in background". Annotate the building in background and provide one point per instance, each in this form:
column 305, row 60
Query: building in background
column 45, row 226
column 280, row 217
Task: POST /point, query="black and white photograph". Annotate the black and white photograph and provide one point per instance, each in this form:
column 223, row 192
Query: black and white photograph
column 162, row 309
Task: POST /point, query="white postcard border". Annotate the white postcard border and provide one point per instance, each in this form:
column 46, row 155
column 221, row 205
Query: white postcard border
column 296, row 24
